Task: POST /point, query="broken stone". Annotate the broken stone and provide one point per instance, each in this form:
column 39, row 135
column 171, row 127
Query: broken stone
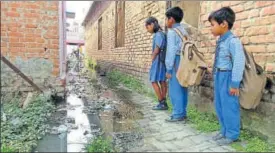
column 28, row 100
column 72, row 126
column 71, row 120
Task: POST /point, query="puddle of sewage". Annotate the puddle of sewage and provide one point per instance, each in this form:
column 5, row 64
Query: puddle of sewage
column 77, row 138
column 51, row 143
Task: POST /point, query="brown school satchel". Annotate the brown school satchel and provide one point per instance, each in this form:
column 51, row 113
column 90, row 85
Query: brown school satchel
column 253, row 83
column 192, row 66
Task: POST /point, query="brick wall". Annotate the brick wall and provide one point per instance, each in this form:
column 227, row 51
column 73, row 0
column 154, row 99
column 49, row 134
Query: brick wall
column 30, row 39
column 134, row 57
column 254, row 25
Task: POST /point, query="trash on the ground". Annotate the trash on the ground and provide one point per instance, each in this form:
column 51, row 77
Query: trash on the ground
column 70, row 120
column 62, row 129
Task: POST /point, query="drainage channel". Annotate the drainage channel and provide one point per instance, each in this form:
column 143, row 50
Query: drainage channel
column 90, row 111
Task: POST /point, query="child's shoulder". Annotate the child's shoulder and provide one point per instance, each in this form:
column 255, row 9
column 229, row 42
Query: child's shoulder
column 160, row 34
column 234, row 39
column 171, row 31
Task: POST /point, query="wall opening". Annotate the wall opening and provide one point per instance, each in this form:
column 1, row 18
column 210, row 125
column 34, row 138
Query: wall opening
column 120, row 24
column 100, row 34
column 191, row 11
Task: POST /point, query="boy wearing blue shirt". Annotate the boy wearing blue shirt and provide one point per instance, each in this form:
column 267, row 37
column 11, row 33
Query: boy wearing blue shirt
column 178, row 94
column 228, row 73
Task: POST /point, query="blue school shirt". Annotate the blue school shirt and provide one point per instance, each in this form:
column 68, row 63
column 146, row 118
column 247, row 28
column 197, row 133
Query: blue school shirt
column 174, row 44
column 158, row 40
column 230, row 56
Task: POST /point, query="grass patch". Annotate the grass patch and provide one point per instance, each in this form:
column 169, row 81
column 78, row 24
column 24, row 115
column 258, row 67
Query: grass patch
column 90, row 64
column 202, row 121
column 250, row 142
column 5, row 148
column 22, row 128
column 100, row 144
column 116, row 77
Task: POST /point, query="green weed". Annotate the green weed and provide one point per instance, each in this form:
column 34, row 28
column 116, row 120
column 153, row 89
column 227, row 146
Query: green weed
column 21, row 128
column 100, row 145
column 250, row 142
column 116, row 77
column 202, row 121
column 5, row 148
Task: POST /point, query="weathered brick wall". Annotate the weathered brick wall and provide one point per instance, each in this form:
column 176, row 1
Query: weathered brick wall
column 254, row 25
column 27, row 28
column 134, row 57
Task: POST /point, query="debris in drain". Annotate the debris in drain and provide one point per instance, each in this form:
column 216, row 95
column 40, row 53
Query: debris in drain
column 62, row 129
column 93, row 126
column 86, row 132
column 126, row 140
column 108, row 107
column 71, row 120
column 95, row 130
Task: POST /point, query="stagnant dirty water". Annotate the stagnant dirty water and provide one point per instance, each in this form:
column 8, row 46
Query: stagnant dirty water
column 91, row 109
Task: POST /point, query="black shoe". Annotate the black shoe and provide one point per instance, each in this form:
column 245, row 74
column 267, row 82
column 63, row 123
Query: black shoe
column 160, row 106
column 172, row 119
column 225, row 142
column 218, row 137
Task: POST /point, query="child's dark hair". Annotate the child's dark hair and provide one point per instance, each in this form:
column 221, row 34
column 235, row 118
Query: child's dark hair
column 153, row 20
column 223, row 14
column 176, row 13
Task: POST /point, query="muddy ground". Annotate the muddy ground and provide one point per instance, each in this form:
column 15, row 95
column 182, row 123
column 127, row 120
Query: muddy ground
column 92, row 109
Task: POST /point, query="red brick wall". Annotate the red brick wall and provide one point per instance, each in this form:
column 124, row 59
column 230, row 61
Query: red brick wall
column 27, row 27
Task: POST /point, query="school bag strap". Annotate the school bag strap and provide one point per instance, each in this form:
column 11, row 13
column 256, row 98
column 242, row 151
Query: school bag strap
column 248, row 61
column 182, row 36
column 187, row 43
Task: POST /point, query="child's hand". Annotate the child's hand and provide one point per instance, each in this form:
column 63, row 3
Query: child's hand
column 168, row 76
column 234, row 92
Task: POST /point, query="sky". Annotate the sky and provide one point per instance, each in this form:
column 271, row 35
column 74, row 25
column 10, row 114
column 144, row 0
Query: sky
column 77, row 7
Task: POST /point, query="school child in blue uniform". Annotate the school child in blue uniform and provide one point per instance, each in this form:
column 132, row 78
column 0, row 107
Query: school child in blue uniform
column 178, row 94
column 228, row 72
column 157, row 71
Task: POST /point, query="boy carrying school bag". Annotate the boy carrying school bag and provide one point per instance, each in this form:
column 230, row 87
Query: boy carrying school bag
column 192, row 66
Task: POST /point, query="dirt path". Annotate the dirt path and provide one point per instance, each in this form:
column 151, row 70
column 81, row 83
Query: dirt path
column 161, row 136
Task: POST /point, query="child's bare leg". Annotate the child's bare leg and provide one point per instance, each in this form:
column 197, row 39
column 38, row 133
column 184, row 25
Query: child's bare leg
column 163, row 85
column 157, row 90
